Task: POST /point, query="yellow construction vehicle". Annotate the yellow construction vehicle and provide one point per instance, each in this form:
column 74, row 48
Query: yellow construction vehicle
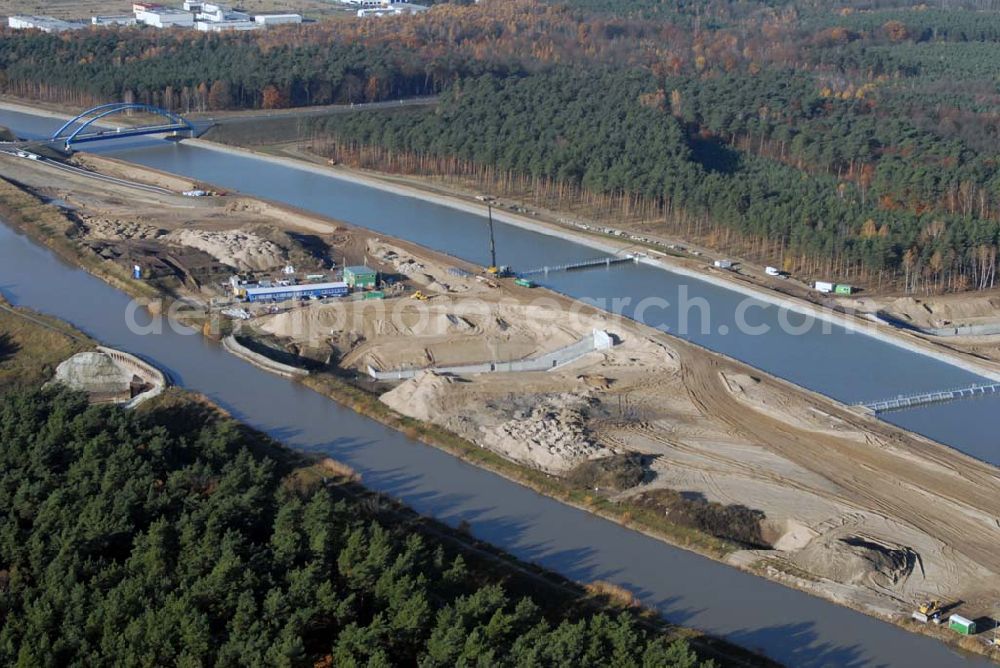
column 930, row 608
column 419, row 296
column 928, row 611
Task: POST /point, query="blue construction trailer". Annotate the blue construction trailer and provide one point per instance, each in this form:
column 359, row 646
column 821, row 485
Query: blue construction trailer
column 281, row 293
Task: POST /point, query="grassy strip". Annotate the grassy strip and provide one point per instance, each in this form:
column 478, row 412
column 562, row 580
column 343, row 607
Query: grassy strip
column 32, row 345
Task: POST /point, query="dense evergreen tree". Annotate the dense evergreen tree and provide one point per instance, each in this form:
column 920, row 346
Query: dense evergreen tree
column 170, row 539
column 853, row 139
column 611, row 132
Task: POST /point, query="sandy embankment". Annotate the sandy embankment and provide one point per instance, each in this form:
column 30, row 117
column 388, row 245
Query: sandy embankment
column 654, row 258
column 856, row 510
column 902, row 517
column 968, row 322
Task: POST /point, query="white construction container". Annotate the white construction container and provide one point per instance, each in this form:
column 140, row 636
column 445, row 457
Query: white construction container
column 823, row 286
column 724, row 264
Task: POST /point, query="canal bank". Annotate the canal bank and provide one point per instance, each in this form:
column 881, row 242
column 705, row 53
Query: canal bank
column 713, row 383
column 840, row 363
column 792, row 627
column 650, row 257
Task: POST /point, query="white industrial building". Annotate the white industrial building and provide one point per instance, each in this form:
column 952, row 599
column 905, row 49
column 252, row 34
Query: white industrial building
column 43, row 23
column 392, row 9
column 277, row 19
column 204, row 16
column 222, row 26
column 122, row 20
column 374, row 3
column 385, row 7
column 159, row 16
column 217, row 13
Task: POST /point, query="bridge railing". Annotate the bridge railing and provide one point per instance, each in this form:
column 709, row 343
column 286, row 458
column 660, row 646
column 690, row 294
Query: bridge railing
column 925, row 398
column 68, row 133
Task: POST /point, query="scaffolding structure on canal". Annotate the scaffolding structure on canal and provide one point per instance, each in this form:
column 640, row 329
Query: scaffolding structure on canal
column 904, row 401
column 605, row 261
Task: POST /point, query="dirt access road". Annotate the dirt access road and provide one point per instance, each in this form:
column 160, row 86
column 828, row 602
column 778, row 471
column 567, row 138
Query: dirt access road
column 856, row 510
column 928, row 489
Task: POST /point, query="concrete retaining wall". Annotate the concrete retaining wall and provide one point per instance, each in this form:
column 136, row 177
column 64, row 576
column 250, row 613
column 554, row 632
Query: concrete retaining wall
column 965, row 330
column 598, row 340
column 147, row 372
column 613, row 246
column 266, row 363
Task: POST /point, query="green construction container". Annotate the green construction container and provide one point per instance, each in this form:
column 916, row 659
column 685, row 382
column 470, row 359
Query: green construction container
column 374, row 294
column 360, row 278
column 842, row 289
column 960, row 624
column 524, row 283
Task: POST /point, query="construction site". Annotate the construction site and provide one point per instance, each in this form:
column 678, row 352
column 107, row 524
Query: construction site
column 802, row 490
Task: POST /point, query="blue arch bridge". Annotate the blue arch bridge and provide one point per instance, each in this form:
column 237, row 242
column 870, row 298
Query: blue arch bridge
column 86, row 127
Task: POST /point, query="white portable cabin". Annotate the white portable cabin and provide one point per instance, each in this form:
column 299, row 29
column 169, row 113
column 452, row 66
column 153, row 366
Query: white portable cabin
column 823, row 286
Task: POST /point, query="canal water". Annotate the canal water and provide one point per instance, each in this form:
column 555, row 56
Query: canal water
column 790, row 626
column 845, row 365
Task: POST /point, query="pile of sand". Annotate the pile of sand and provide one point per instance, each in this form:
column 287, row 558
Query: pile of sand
column 119, row 230
column 856, row 560
column 429, row 275
column 939, row 311
column 787, row 535
column 94, row 373
column 770, row 400
column 549, row 432
column 282, row 216
column 420, row 397
column 243, row 250
column 398, row 333
column 552, row 436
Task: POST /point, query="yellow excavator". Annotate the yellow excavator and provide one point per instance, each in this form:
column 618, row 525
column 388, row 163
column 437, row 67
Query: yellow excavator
column 928, row 611
column 419, row 296
column 930, row 608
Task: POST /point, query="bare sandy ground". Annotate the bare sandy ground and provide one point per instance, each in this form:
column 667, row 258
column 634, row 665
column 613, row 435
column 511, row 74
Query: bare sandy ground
column 239, row 233
column 975, row 309
column 936, row 311
column 123, row 170
column 403, row 333
column 856, row 510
